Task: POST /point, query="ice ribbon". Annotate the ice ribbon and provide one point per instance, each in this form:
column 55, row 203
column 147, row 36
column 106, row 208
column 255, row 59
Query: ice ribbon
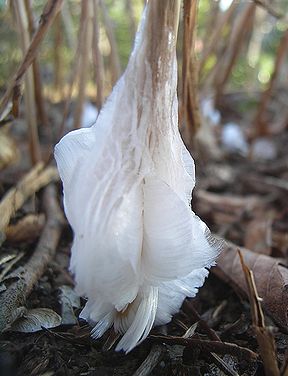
column 138, row 248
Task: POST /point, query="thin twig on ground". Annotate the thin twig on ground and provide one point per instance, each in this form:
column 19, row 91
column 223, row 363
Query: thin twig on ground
column 211, row 346
column 24, row 278
column 36, row 179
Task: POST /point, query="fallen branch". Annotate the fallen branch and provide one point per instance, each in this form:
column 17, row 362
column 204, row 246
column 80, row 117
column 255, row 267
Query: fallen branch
column 211, row 346
column 36, row 179
column 14, row 297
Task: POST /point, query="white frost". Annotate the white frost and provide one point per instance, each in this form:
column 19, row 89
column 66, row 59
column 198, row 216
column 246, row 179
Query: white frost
column 138, row 248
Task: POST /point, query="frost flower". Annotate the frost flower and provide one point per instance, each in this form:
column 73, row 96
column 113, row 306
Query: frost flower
column 138, row 248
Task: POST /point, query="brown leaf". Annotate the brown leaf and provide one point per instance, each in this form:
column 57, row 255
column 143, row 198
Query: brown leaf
column 258, row 235
column 271, row 279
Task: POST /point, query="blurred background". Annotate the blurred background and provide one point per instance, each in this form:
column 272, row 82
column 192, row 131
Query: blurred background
column 232, row 64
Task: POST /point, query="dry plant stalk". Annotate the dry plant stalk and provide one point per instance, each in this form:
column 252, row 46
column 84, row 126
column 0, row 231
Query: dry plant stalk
column 38, row 92
column 131, row 17
column 264, row 337
column 29, row 94
column 241, row 29
column 115, row 60
column 260, row 121
column 97, row 57
column 58, row 40
column 212, row 44
column 51, row 8
column 85, row 43
column 36, row 179
column 265, row 5
column 13, row 298
column 190, row 103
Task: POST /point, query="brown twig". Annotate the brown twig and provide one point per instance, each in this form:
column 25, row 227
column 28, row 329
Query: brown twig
column 115, row 61
column 36, row 179
column 85, row 42
column 38, row 92
column 211, row 346
column 210, row 332
column 212, row 44
column 14, row 297
column 29, row 94
column 97, row 57
column 190, row 102
column 51, row 8
column 242, row 26
column 263, row 4
column 260, row 121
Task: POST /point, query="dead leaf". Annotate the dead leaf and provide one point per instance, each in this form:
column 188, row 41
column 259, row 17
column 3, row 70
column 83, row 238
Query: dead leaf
column 34, row 320
column 271, row 279
column 258, row 235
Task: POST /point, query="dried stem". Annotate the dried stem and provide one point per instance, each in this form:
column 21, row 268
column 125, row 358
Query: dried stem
column 36, row 179
column 25, row 277
column 212, row 44
column 38, row 92
column 85, row 41
column 97, row 57
column 29, row 97
column 190, row 103
column 115, row 61
column 260, row 121
column 58, row 40
column 242, row 26
column 131, row 17
column 51, row 8
column 265, row 5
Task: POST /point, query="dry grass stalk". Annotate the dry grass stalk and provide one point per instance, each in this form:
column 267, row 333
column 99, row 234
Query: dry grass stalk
column 115, row 60
column 264, row 337
column 243, row 25
column 58, row 40
column 131, row 18
column 212, row 44
column 265, row 5
column 51, row 8
column 97, row 57
column 85, row 43
column 38, row 92
column 29, row 94
column 260, row 121
column 190, row 103
column 68, row 26
column 36, row 179
column 13, row 298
